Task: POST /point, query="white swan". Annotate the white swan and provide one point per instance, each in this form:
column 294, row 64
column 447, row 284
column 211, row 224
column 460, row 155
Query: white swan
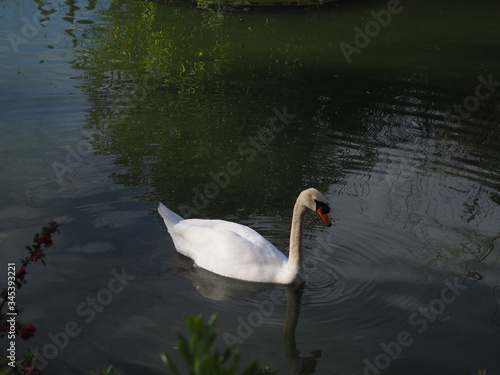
column 239, row 252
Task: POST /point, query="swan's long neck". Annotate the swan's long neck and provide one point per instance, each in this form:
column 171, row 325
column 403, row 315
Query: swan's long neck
column 295, row 255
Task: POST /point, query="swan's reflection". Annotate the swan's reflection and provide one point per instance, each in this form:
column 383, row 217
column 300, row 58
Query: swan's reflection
column 221, row 288
column 296, row 363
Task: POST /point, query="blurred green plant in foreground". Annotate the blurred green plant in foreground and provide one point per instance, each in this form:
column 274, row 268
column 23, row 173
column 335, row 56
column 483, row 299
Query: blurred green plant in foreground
column 202, row 357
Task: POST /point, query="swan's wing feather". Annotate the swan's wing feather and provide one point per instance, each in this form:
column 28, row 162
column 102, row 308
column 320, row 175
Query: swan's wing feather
column 247, row 233
column 226, row 248
column 170, row 218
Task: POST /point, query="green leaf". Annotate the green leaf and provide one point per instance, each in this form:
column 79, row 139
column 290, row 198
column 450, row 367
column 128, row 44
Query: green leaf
column 105, row 371
column 169, row 364
column 211, row 321
column 185, row 351
column 251, row 369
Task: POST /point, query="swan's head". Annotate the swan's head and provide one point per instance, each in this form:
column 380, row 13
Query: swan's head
column 317, row 202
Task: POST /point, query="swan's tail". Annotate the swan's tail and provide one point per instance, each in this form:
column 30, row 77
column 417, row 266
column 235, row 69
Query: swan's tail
column 170, row 218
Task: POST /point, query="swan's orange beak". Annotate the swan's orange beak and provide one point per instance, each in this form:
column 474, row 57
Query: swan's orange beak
column 323, row 214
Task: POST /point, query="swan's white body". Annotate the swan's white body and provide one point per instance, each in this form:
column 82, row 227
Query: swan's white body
column 239, row 252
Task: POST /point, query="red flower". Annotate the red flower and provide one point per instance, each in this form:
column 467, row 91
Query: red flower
column 36, row 255
column 27, row 331
column 44, row 239
column 21, row 272
column 32, row 369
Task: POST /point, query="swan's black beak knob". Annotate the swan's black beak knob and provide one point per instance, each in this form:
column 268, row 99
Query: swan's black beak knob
column 323, row 210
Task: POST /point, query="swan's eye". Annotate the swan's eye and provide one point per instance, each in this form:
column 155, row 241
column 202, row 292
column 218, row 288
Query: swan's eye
column 322, row 207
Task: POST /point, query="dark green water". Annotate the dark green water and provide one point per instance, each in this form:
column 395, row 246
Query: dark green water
column 109, row 107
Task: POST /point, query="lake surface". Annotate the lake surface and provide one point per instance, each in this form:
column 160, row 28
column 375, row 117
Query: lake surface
column 390, row 109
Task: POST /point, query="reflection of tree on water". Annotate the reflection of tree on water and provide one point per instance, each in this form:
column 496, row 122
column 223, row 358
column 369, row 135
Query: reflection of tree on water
column 221, row 288
column 439, row 180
